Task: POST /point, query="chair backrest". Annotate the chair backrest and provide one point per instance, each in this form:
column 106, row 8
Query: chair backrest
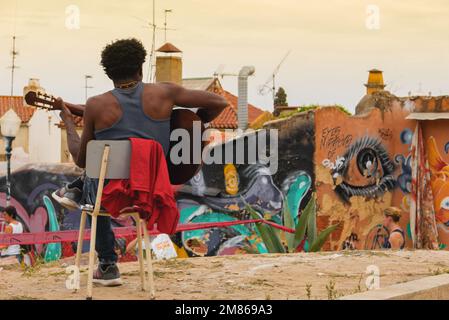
column 118, row 160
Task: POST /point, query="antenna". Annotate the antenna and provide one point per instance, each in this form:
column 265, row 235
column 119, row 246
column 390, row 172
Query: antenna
column 153, row 48
column 154, row 27
column 219, row 73
column 166, row 11
column 13, row 67
column 265, row 88
column 86, row 78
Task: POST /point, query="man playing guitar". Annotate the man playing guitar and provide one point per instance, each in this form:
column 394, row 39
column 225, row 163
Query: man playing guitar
column 131, row 109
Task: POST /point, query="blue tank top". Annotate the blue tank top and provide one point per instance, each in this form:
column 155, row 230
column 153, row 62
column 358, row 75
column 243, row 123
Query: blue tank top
column 387, row 244
column 134, row 123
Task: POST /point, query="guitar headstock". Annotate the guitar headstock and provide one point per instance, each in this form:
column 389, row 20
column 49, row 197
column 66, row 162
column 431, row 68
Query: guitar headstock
column 40, row 100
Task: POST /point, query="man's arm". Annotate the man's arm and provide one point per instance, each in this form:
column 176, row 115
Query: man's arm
column 77, row 146
column 210, row 104
column 76, row 109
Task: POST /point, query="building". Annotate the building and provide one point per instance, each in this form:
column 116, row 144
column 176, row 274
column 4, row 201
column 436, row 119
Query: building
column 25, row 114
column 375, row 90
column 38, row 139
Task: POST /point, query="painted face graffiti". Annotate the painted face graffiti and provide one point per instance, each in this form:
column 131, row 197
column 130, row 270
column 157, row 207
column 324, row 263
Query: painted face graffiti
column 367, row 170
column 439, row 181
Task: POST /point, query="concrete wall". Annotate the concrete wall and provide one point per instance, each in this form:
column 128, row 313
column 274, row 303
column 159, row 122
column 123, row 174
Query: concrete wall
column 360, row 169
column 219, row 192
column 44, row 137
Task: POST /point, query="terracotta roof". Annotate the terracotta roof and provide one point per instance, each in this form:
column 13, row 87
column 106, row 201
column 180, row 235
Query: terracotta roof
column 253, row 111
column 226, row 120
column 168, row 48
column 17, row 103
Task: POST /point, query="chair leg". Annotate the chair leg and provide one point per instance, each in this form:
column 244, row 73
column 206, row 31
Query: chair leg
column 149, row 262
column 79, row 247
column 140, row 252
column 93, row 236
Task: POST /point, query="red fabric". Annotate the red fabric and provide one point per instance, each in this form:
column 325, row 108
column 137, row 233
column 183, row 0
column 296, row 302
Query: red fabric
column 148, row 188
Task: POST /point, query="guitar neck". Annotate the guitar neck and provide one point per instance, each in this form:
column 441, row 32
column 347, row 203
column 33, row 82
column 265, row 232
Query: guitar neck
column 76, row 109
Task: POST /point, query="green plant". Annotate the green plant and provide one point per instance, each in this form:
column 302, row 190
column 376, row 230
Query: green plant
column 331, row 292
column 342, row 108
column 286, row 114
column 306, row 228
column 268, row 234
column 281, row 98
column 309, row 290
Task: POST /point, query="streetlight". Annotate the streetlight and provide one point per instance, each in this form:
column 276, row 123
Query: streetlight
column 166, row 11
column 86, row 78
column 10, row 125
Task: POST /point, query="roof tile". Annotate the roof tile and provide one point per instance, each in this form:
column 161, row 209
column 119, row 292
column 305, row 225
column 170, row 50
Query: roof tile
column 17, row 103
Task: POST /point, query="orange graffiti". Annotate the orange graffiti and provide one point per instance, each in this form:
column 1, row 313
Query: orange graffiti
column 439, row 181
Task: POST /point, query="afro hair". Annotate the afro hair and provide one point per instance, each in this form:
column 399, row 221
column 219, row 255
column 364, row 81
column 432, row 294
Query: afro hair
column 122, row 59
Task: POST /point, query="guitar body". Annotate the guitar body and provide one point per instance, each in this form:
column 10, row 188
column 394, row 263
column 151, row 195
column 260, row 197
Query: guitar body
column 184, row 119
column 180, row 119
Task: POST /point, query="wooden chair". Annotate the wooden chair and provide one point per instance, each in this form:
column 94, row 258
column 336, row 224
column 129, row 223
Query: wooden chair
column 111, row 160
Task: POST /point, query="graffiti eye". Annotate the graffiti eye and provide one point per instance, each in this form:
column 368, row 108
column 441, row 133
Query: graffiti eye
column 367, row 170
column 445, row 203
column 367, row 162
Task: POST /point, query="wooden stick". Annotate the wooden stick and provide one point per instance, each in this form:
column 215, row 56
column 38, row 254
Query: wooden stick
column 149, row 262
column 140, row 249
column 79, row 247
column 93, row 236
column 93, row 231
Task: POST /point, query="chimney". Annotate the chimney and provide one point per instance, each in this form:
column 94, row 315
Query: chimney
column 375, row 81
column 169, row 64
column 242, row 108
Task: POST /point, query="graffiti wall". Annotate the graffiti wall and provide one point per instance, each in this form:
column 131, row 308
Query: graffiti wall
column 220, row 193
column 31, row 189
column 362, row 166
column 436, row 141
column 356, row 165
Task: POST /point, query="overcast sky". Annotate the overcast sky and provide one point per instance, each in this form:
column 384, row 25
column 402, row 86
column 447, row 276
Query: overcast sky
column 333, row 43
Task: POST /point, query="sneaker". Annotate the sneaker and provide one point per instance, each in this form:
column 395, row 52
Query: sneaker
column 68, row 197
column 108, row 276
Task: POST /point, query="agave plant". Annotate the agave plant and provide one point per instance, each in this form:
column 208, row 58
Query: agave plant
column 269, row 235
column 305, row 230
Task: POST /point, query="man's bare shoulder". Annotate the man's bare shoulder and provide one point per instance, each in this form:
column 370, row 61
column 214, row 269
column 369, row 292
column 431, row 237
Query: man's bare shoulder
column 99, row 101
column 159, row 87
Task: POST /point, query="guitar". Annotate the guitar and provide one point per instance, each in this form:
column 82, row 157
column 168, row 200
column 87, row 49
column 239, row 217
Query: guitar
column 180, row 119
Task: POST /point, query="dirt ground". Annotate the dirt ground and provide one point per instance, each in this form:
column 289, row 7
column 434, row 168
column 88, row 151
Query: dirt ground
column 290, row 276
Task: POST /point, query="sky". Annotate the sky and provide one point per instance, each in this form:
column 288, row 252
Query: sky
column 332, row 44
